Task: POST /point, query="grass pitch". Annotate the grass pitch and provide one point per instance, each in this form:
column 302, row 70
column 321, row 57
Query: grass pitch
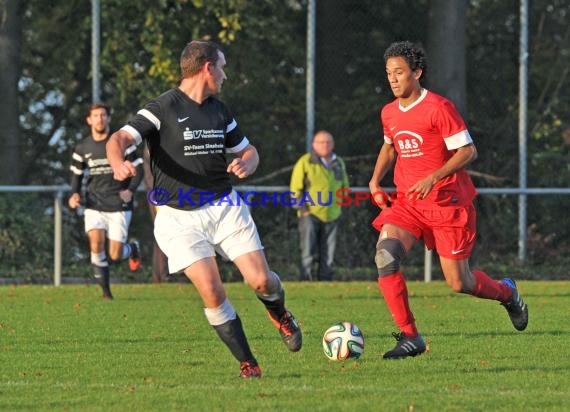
column 151, row 349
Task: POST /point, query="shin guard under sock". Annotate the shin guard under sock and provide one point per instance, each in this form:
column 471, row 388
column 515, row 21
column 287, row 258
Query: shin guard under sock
column 395, row 292
column 102, row 276
column 276, row 307
column 274, row 300
column 233, row 335
column 487, row 288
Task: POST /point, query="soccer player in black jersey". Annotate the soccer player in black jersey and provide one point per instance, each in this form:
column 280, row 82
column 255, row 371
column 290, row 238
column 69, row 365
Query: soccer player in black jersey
column 188, row 132
column 108, row 202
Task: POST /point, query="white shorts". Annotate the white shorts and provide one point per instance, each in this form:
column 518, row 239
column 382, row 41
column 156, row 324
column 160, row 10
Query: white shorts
column 186, row 236
column 116, row 224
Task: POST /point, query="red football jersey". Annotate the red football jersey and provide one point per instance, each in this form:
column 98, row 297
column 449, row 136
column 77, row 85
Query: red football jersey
column 425, row 135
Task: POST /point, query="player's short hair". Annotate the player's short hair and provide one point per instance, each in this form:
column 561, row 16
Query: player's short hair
column 414, row 55
column 195, row 54
column 99, row 105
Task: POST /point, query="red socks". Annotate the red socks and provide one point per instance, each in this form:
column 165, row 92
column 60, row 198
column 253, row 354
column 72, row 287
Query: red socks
column 395, row 292
column 488, row 288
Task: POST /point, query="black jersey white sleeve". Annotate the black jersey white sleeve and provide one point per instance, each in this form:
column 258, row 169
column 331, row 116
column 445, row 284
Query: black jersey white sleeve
column 188, row 143
column 102, row 190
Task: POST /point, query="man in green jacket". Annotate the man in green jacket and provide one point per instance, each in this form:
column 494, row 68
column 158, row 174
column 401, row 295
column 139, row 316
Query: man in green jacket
column 315, row 180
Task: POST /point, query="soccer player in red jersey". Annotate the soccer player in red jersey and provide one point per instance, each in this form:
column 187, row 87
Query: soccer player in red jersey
column 429, row 146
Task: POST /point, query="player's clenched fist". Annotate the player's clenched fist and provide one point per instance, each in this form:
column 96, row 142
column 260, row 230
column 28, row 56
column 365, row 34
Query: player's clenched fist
column 124, row 171
column 239, row 168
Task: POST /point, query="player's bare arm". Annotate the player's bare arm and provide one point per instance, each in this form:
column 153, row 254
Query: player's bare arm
column 245, row 162
column 118, row 142
column 462, row 157
column 384, row 162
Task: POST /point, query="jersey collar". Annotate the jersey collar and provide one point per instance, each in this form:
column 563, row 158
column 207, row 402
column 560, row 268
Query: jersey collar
column 414, row 104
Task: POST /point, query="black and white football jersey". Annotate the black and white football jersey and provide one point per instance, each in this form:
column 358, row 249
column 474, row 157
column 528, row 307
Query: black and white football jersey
column 188, row 143
column 102, row 190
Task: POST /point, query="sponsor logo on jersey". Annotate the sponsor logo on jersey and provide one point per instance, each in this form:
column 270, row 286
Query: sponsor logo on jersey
column 409, row 143
column 202, row 134
column 98, row 162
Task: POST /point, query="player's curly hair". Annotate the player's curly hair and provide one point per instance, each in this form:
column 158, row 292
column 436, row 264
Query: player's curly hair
column 414, row 55
column 195, row 54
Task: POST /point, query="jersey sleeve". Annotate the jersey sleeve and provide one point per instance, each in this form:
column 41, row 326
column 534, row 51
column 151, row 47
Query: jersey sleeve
column 145, row 123
column 77, row 168
column 451, row 126
column 235, row 140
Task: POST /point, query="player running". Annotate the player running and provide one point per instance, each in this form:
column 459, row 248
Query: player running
column 428, row 142
column 108, row 202
column 188, row 132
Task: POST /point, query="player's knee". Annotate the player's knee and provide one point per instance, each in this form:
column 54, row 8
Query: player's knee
column 389, row 254
column 273, row 284
column 271, row 289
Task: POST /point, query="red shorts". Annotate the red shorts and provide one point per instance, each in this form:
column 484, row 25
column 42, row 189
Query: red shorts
column 450, row 229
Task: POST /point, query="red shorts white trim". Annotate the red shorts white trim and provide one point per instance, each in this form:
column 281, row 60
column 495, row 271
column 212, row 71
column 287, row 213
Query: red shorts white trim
column 450, row 230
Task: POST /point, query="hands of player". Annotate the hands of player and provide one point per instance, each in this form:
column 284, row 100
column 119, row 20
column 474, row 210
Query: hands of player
column 421, row 189
column 126, row 195
column 124, row 171
column 379, row 196
column 74, row 201
column 241, row 168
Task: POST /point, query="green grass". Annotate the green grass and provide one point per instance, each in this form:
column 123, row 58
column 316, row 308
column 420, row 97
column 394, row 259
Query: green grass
column 151, row 349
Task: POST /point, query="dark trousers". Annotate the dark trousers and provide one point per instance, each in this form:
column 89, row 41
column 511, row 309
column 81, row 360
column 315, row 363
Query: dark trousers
column 317, row 242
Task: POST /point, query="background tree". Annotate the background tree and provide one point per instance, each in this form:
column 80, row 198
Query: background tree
column 447, row 29
column 265, row 44
column 10, row 41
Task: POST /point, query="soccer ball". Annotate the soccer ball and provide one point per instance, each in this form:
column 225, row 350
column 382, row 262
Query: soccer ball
column 343, row 341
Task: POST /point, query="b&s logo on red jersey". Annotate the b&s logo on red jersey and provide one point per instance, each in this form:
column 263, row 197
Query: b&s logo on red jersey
column 409, row 143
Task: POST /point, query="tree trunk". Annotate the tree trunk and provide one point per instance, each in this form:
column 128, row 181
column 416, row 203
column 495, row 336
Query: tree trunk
column 446, row 47
column 10, row 42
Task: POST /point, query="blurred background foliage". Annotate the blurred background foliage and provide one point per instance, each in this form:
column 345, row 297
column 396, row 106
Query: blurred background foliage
column 265, row 46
